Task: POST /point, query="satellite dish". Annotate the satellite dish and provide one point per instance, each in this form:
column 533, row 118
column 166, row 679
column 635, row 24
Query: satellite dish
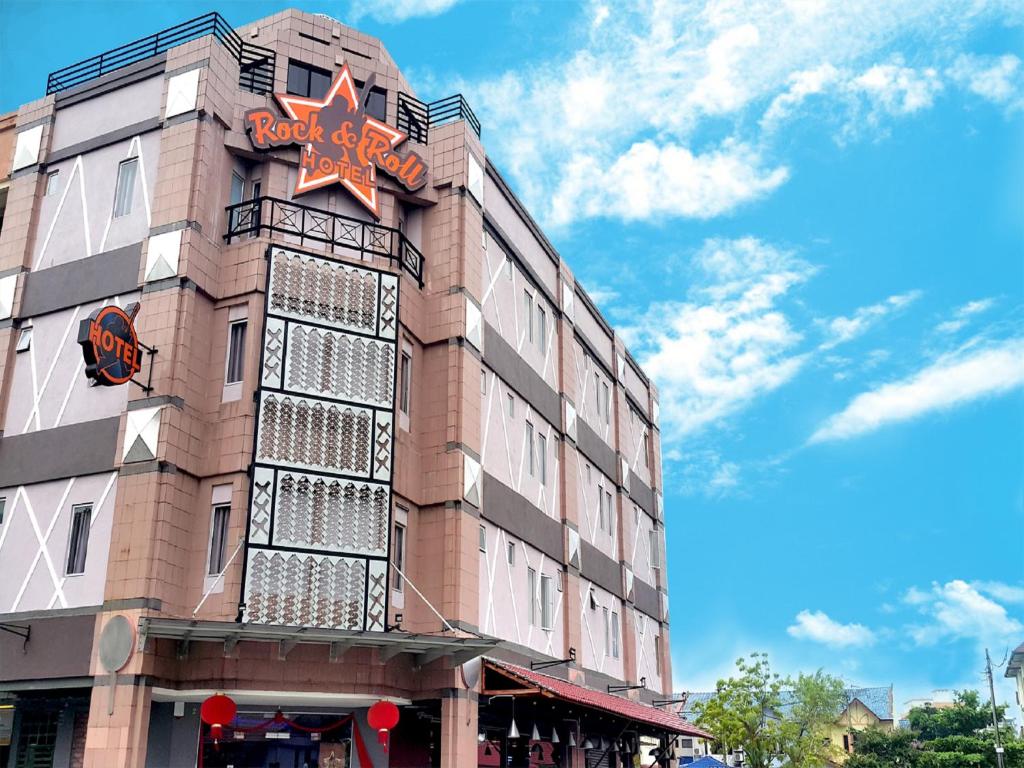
column 117, row 641
column 471, row 673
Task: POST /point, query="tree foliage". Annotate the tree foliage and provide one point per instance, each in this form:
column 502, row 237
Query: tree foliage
column 774, row 721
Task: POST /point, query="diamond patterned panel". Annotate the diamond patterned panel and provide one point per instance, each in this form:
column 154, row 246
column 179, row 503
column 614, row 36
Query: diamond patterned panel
column 340, row 365
column 335, row 294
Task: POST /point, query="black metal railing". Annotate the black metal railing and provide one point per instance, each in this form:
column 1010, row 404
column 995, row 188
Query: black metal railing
column 338, row 232
column 256, row 63
column 416, row 117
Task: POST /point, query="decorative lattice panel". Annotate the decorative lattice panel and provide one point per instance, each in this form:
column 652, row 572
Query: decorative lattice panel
column 320, row 506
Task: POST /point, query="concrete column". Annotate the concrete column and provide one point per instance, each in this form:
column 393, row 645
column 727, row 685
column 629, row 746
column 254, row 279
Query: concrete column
column 458, row 729
column 119, row 739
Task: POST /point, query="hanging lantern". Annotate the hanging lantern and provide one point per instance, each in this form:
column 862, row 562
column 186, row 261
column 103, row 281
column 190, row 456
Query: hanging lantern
column 216, row 712
column 382, row 717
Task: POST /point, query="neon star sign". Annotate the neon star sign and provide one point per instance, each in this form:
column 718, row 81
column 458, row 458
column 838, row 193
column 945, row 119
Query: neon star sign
column 340, row 142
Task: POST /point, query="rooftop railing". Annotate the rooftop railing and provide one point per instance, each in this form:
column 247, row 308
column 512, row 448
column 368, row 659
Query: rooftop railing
column 344, row 234
column 256, row 64
column 416, row 117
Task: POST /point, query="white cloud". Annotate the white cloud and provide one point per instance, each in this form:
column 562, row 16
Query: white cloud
column 601, row 295
column 819, row 627
column 642, row 114
column 994, row 78
column 395, row 11
column 952, row 380
column 1005, row 593
column 843, row 329
column 961, row 317
column 958, row 610
column 701, row 472
column 730, row 342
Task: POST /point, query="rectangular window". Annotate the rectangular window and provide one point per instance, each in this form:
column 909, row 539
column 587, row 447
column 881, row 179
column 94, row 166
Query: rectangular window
column 237, row 188
column 600, row 507
column 508, row 267
column 528, row 314
column 588, row 474
column 3, row 508
column 403, row 390
column 611, row 511
column 531, row 587
column 236, row 351
column 687, row 743
column 511, row 553
column 24, row 339
column 647, row 450
column 78, row 542
column 615, row 635
column 542, row 326
column 592, row 600
column 304, row 80
column 657, row 654
column 654, row 548
column 218, row 538
column 529, row 448
column 483, row 382
column 377, row 104
column 597, row 393
column 607, row 632
column 124, row 191
column 51, row 182
column 398, row 557
column 607, row 407
column 511, row 406
column 483, row 539
column 542, row 458
column 546, row 602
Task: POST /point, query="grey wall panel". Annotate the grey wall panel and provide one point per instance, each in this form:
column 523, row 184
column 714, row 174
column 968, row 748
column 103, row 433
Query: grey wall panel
column 87, row 448
column 596, row 566
column 646, row 598
column 80, row 282
column 504, row 361
column 641, row 494
column 60, row 647
column 596, row 449
column 507, row 509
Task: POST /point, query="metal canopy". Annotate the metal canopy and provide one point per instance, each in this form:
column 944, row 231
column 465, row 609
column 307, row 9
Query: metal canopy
column 424, row 648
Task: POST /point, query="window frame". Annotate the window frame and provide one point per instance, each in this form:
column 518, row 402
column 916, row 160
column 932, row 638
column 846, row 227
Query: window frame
column 51, row 183
column 232, row 362
column 510, row 553
column 542, row 458
column 542, row 326
column 221, row 558
column 529, row 446
column 482, row 543
column 78, row 511
column 607, row 628
column 528, row 313
column 398, row 544
column 124, row 194
column 405, row 383
column 24, row 342
column 547, row 603
column 531, row 588
column 3, row 508
column 615, row 634
column 511, row 405
column 309, row 70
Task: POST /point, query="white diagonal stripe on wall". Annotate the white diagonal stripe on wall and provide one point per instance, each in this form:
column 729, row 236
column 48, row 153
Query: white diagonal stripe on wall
column 37, row 395
column 76, row 171
column 43, row 551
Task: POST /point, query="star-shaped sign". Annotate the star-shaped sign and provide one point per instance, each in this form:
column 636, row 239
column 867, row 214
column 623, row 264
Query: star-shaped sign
column 341, row 143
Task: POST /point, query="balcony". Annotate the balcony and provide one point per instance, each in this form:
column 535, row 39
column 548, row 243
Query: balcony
column 416, row 117
column 256, row 64
column 343, row 235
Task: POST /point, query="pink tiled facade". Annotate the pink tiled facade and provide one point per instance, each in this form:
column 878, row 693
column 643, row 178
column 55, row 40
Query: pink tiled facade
column 525, row 452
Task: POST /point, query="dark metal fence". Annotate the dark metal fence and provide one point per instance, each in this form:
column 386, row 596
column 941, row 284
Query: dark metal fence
column 286, row 217
column 416, row 117
column 256, row 63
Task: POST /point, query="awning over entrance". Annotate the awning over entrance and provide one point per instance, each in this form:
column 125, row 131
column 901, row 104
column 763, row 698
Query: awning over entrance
column 534, row 683
column 423, row 648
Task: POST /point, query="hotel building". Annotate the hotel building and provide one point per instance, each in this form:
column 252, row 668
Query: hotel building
column 300, row 406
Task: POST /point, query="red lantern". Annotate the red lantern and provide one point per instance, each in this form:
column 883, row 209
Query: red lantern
column 217, row 711
column 382, row 717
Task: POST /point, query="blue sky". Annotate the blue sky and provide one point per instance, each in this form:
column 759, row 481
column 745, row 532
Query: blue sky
column 808, row 219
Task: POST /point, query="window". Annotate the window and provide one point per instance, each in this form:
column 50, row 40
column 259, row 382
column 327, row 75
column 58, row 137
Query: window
column 529, row 447
column 124, row 191
column 611, row 511
column 377, row 103
column 483, row 382
column 592, row 600
column 546, row 602
column 647, row 450
column 542, row 456
column 508, row 267
column 687, row 743
column 483, row 539
column 542, row 326
column 403, row 390
column 600, row 507
column 607, row 632
column 236, row 352
column 51, row 182
column 24, row 339
column 3, row 508
column 78, row 543
column 657, row 655
column 304, row 80
column 218, row 538
column 597, row 392
column 607, row 400
column 615, row 635
column 531, row 588
column 588, row 474
column 511, row 406
column 655, row 554
column 528, row 314
column 398, row 557
column 511, row 553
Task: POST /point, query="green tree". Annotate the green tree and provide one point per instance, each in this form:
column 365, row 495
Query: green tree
column 876, row 748
column 967, row 716
column 774, row 721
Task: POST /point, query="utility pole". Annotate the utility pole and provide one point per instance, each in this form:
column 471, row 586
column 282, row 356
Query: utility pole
column 995, row 716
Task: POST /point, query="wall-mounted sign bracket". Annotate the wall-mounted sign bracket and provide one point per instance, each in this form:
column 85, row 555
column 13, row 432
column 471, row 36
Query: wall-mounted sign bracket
column 23, row 632
column 624, row 688
column 148, row 386
column 539, row 665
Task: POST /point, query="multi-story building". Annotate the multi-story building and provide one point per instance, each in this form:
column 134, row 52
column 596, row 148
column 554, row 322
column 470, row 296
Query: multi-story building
column 1015, row 671
column 301, row 407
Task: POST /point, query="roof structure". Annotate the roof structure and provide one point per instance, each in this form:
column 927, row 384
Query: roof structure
column 708, row 762
column 588, row 697
column 1016, row 661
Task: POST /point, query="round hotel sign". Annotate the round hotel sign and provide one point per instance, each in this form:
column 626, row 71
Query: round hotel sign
column 110, row 346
